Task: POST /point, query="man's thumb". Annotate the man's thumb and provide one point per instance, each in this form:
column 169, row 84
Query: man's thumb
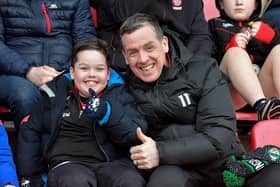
column 141, row 136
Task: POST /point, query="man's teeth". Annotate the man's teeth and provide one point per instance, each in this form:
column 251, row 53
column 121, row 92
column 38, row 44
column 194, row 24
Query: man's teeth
column 147, row 68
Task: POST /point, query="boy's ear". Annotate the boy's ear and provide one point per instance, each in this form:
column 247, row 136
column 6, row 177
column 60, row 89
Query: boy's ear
column 71, row 70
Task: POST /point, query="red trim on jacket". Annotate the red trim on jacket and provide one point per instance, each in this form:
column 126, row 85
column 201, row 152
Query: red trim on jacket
column 47, row 17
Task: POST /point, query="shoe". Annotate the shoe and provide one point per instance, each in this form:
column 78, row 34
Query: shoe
column 271, row 110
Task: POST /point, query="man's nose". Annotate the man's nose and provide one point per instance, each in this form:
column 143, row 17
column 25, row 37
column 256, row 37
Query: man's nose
column 143, row 56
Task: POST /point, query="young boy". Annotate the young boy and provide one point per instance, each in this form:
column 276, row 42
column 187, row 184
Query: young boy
column 8, row 176
column 248, row 52
column 83, row 129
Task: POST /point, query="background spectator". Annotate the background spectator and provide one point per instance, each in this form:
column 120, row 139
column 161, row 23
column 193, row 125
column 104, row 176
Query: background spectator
column 248, row 51
column 36, row 41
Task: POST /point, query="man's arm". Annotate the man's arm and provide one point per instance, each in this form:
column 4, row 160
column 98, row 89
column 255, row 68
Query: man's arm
column 11, row 62
column 200, row 33
column 215, row 127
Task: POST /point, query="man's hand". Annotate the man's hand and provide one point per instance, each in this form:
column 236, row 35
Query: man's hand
column 145, row 156
column 41, row 75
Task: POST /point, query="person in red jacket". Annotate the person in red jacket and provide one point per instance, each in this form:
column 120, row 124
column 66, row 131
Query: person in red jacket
column 248, row 52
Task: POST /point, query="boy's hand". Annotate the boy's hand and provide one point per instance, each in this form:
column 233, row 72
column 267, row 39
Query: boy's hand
column 96, row 108
column 262, row 32
column 238, row 40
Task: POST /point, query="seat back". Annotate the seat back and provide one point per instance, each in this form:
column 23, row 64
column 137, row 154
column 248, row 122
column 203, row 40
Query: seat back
column 210, row 10
column 265, row 132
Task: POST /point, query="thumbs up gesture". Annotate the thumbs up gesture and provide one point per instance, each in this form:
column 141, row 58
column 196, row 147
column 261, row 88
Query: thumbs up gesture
column 145, row 156
column 96, row 108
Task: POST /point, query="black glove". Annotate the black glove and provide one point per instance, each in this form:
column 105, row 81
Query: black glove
column 97, row 108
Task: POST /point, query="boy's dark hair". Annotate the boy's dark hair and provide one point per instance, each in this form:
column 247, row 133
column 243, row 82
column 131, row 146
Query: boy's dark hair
column 138, row 21
column 91, row 44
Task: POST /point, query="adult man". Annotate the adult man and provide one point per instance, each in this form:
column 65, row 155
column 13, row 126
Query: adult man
column 36, row 39
column 185, row 17
column 192, row 130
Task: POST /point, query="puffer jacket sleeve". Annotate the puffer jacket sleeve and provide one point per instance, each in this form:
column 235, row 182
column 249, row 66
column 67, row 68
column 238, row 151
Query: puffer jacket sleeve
column 124, row 118
column 11, row 62
column 199, row 32
column 7, row 166
column 215, row 127
column 82, row 24
column 29, row 145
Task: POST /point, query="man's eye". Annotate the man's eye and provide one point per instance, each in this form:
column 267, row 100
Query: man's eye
column 100, row 69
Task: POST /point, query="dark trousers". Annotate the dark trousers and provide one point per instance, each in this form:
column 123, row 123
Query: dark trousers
column 171, row 176
column 95, row 175
column 20, row 94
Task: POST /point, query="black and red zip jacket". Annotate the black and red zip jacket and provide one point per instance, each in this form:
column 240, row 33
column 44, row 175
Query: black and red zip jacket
column 223, row 29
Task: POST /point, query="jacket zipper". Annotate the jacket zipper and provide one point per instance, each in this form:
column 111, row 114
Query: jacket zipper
column 47, row 17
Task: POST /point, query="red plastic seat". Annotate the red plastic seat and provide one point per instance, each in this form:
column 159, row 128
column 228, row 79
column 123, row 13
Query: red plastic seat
column 246, row 116
column 210, row 10
column 265, row 132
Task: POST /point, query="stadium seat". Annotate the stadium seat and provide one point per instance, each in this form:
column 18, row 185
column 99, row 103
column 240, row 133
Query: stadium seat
column 246, row 116
column 210, row 10
column 265, row 132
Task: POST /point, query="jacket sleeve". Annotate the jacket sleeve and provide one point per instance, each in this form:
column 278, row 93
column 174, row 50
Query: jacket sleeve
column 119, row 10
column 82, row 24
column 124, row 118
column 199, row 33
column 11, row 62
column 7, row 166
column 215, row 128
column 29, row 148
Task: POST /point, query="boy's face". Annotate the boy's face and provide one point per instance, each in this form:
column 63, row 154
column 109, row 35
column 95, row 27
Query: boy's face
column 239, row 10
column 90, row 71
column 145, row 53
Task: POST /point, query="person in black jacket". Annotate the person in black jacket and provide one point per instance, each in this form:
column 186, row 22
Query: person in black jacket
column 83, row 129
column 183, row 16
column 248, row 52
column 186, row 101
column 36, row 39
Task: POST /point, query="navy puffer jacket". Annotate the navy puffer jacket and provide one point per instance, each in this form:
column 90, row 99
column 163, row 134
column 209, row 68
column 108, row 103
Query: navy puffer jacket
column 35, row 33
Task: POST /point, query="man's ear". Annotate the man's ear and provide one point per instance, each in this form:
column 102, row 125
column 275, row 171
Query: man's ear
column 164, row 43
column 124, row 55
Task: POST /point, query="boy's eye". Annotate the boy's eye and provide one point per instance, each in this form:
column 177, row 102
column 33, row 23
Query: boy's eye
column 100, row 69
column 84, row 68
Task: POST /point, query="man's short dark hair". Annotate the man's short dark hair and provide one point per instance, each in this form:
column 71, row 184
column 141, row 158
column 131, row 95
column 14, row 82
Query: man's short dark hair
column 138, row 21
column 91, row 44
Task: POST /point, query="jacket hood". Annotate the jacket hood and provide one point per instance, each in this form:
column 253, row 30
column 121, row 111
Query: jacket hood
column 261, row 8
